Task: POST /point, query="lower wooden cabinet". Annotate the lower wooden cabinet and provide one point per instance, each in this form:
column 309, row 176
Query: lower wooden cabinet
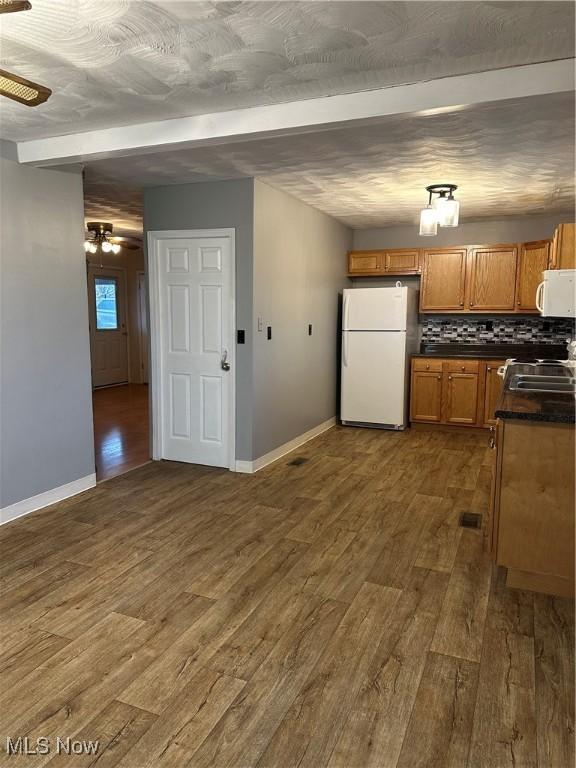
column 531, row 526
column 426, row 402
column 460, row 392
column 492, row 391
column 461, row 403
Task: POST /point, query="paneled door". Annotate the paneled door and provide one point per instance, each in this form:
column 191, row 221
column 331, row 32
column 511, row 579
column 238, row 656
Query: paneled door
column 108, row 332
column 192, row 324
column 443, row 280
column 532, row 261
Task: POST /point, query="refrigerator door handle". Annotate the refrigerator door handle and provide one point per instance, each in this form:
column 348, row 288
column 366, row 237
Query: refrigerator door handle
column 345, row 349
column 345, row 313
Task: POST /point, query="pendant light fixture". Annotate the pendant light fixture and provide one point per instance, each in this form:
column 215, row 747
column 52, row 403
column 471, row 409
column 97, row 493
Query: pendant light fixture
column 442, row 211
column 101, row 233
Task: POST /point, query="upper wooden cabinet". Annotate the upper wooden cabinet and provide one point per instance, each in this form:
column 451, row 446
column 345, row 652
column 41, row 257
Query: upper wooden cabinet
column 563, row 251
column 402, row 262
column 443, row 280
column 492, row 278
column 532, row 261
column 399, row 261
column 365, row 262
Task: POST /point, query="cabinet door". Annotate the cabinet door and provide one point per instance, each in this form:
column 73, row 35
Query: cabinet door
column 461, row 398
column 404, row 261
column 443, row 280
column 365, row 263
column 532, row 261
column 492, row 391
column 563, row 253
column 492, row 278
column 426, row 396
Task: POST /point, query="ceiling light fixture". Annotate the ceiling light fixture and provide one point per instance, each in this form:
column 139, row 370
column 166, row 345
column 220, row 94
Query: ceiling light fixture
column 11, row 6
column 100, row 241
column 442, row 211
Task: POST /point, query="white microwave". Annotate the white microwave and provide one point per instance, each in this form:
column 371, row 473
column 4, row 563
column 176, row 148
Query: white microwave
column 556, row 294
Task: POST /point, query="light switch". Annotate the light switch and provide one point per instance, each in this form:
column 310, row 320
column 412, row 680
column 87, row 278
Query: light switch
column 260, row 325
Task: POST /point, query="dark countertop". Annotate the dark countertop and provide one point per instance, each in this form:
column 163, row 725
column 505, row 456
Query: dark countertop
column 556, row 407
column 493, row 351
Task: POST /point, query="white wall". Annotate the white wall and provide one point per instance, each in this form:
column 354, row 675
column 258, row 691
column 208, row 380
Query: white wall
column 505, row 230
column 46, row 435
column 299, row 274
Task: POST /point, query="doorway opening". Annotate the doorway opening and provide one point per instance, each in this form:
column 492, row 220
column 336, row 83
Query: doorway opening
column 117, row 303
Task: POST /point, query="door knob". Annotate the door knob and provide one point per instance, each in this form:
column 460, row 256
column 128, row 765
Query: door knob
column 224, row 364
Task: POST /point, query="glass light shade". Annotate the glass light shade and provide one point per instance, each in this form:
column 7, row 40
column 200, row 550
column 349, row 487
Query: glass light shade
column 115, row 248
column 93, row 248
column 428, row 221
column 106, row 246
column 87, row 245
column 447, row 210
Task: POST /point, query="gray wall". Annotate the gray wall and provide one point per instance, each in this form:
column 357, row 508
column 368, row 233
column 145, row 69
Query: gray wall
column 299, row 272
column 216, row 205
column 480, row 232
column 46, row 435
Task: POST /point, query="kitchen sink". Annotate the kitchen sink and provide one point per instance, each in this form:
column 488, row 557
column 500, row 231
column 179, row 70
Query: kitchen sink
column 526, row 382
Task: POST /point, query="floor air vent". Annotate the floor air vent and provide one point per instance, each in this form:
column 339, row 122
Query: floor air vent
column 298, row 461
column 470, row 520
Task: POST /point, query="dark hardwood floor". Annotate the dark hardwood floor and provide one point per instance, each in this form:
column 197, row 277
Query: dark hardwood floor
column 121, row 431
column 328, row 614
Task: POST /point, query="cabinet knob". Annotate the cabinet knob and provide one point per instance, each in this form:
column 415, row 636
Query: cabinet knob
column 462, row 304
column 492, row 443
column 427, row 367
column 518, row 302
column 489, row 368
column 449, row 378
column 471, row 303
column 463, row 368
column 439, row 378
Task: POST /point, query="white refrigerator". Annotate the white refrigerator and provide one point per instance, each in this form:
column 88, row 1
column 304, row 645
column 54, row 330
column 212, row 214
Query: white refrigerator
column 379, row 333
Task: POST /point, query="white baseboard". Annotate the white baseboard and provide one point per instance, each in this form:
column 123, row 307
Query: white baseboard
column 262, row 461
column 26, row 506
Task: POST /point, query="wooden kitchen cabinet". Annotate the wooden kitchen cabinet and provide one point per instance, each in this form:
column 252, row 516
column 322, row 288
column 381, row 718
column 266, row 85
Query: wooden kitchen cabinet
column 563, row 250
column 455, row 391
column 460, row 398
column 426, row 397
column 531, row 524
column 399, row 261
column 491, row 280
column 532, row 261
column 402, row 261
column 492, row 391
column 443, row 280
column 365, row 263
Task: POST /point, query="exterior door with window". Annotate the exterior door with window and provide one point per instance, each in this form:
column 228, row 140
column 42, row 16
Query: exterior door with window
column 108, row 333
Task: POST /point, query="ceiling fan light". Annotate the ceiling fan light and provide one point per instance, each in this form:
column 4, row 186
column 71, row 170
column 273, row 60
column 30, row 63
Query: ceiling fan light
column 10, row 6
column 87, row 245
column 106, row 246
column 116, row 248
column 21, row 90
column 428, row 222
column 93, row 248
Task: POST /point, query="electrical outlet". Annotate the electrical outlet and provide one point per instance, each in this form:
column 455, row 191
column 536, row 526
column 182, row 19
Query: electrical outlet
column 269, row 332
column 309, row 329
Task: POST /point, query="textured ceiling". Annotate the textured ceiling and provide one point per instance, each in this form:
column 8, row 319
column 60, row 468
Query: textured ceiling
column 118, row 62
column 508, row 158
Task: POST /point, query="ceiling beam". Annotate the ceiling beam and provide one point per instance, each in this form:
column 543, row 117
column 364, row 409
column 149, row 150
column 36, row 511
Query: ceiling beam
column 301, row 116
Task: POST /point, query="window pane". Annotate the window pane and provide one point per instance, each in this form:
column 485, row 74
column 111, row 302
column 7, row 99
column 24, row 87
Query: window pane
column 106, row 307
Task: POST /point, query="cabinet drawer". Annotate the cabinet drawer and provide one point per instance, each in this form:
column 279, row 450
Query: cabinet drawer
column 463, row 366
column 427, row 364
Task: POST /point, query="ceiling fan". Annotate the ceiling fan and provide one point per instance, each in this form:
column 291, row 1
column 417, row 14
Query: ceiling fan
column 100, row 238
column 14, row 87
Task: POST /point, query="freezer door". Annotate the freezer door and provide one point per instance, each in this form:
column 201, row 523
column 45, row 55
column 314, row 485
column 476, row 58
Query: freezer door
column 373, row 377
column 375, row 309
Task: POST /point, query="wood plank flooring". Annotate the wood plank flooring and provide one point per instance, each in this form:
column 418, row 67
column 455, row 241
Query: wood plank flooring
column 328, row 614
column 121, row 431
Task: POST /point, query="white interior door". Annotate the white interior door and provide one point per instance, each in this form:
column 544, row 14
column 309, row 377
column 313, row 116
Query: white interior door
column 108, row 331
column 192, row 322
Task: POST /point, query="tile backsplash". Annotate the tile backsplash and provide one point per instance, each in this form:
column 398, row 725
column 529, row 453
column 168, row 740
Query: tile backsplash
column 507, row 330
